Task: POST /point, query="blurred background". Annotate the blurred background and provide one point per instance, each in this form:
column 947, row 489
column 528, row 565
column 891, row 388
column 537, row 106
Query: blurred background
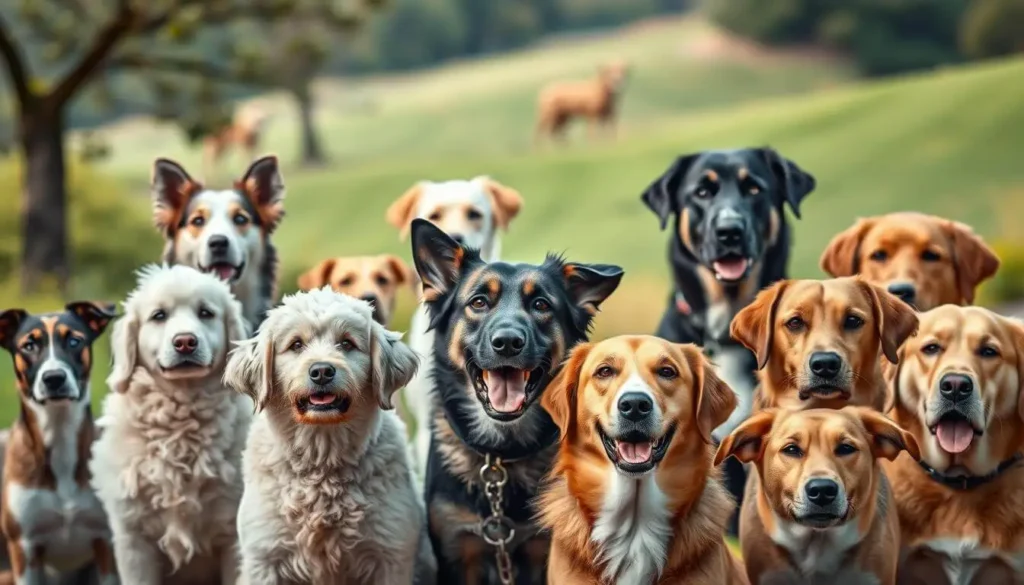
column 891, row 104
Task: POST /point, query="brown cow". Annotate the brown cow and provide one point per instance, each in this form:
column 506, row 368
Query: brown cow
column 595, row 99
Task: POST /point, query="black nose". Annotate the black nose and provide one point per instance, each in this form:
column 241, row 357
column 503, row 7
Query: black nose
column 825, row 364
column 635, row 406
column 321, row 373
column 185, row 343
column 54, row 379
column 729, row 233
column 218, row 244
column 459, row 238
column 821, row 492
column 905, row 291
column 956, row 387
column 372, row 299
column 508, row 342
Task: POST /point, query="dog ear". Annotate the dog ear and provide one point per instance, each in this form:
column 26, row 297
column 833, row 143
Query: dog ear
column 1016, row 327
column 754, row 325
column 559, row 399
column 715, row 400
column 401, row 213
column 236, row 326
column 887, row 438
column 393, row 363
column 746, row 442
column 317, row 276
column 10, row 322
column 794, row 181
column 399, row 270
column 841, row 256
column 438, row 258
column 124, row 345
column 590, row 284
column 263, row 185
column 895, row 320
column 973, row 260
column 660, row 196
column 250, row 369
column 95, row 314
column 891, row 374
column 171, row 188
column 506, row 202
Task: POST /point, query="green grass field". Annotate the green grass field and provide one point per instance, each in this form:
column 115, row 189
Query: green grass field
column 948, row 142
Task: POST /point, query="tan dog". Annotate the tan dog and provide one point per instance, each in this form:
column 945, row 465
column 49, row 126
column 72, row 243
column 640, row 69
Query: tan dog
column 634, row 499
column 595, row 99
column 246, row 128
column 819, row 508
column 957, row 389
column 818, row 342
column 925, row 260
column 375, row 279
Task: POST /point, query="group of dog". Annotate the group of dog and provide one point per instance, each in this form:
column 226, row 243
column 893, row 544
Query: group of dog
column 880, row 416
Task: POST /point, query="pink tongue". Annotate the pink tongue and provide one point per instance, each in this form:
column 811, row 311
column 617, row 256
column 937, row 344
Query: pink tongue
column 955, row 436
column 224, row 272
column 506, row 389
column 731, row 269
column 321, row 399
column 634, row 452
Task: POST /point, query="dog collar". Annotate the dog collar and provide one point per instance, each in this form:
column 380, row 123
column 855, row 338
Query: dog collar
column 509, row 454
column 969, row 482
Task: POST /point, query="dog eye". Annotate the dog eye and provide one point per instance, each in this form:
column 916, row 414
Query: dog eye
column 702, row 193
column 987, row 351
column 879, row 255
column 158, row 315
column 845, row 449
column 853, row 323
column 346, row 345
column 198, row 221
column 205, row 313
column 381, row 281
column 795, row 324
column 478, row 303
column 931, row 349
column 929, row 256
column 541, row 305
column 434, row 216
column 792, row 450
column 668, row 372
column 74, row 342
column 29, row 346
column 296, row 345
column 474, row 215
column 240, row 219
column 347, row 281
column 604, row 372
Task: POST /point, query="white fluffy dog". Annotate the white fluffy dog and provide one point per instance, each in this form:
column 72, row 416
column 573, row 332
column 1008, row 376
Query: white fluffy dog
column 329, row 495
column 168, row 464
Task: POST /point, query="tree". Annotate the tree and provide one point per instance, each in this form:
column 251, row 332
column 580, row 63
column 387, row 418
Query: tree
column 76, row 42
column 992, row 28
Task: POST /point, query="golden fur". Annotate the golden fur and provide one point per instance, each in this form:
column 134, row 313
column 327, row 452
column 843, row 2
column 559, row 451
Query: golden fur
column 376, row 279
column 595, row 99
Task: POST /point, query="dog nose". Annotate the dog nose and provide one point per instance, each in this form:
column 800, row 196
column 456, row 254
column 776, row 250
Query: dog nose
column 54, row 379
column 218, row 244
column 635, row 406
column 321, row 373
column 905, row 291
column 956, row 387
column 372, row 299
column 821, row 492
column 825, row 364
column 729, row 232
column 459, row 238
column 185, row 343
column 508, row 342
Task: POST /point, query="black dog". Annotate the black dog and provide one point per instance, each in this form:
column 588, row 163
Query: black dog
column 502, row 333
column 731, row 239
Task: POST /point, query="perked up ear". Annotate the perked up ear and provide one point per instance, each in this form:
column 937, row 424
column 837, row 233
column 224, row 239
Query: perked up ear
column 591, row 284
column 317, row 276
column 754, row 325
column 394, row 363
column 794, row 181
column 660, row 195
column 401, row 213
column 840, row 256
column 896, row 321
column 124, row 342
column 746, row 443
column 263, row 185
column 438, row 258
column 171, row 188
column 715, row 399
column 506, row 202
column 10, row 322
column 559, row 399
column 95, row 314
column 975, row 262
column 887, row 438
column 250, row 369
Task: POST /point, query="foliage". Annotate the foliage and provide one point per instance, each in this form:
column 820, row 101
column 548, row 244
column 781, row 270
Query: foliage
column 1008, row 283
column 993, row 28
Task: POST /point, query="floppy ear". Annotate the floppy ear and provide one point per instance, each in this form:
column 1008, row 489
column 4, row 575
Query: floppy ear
column 891, row 375
column 318, row 275
column 438, row 259
column 559, row 399
column 887, row 438
column 1017, row 331
column 263, row 185
column 10, row 322
column 754, row 325
column 394, row 363
column 505, row 201
column 250, row 369
column 840, row 257
column 746, row 443
column 235, row 323
column 974, row 261
column 715, row 399
column 794, row 181
column 661, row 194
column 399, row 270
column 95, row 314
column 171, row 188
column 590, row 284
column 895, row 320
column 124, row 345
column 401, row 213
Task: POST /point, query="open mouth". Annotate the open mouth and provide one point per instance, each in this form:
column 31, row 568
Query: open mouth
column 824, row 391
column 323, row 402
column 225, row 271
column 505, row 392
column 636, row 453
column 731, row 268
column 955, row 432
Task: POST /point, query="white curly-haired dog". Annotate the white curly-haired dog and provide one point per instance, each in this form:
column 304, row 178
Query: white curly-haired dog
column 329, row 496
column 168, row 464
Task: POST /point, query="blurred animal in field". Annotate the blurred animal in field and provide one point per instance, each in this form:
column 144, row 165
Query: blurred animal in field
column 244, row 132
column 596, row 99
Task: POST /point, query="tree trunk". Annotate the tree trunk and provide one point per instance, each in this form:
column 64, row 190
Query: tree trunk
column 312, row 151
column 44, row 200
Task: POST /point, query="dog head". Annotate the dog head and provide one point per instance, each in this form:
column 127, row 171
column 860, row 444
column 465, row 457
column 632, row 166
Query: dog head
column 957, row 388
column 221, row 232
column 925, row 260
column 374, row 279
column 728, row 205
column 817, row 467
column 822, row 338
column 629, row 401
column 177, row 325
column 320, row 358
column 614, row 74
column 506, row 327
column 471, row 212
column 53, row 352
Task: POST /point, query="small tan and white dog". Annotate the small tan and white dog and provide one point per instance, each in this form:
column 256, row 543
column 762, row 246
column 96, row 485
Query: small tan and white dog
column 167, row 466
column 329, row 492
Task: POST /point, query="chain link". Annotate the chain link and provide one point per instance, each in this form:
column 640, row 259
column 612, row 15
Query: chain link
column 497, row 529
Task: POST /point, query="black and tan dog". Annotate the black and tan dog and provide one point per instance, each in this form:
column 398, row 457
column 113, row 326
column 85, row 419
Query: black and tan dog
column 50, row 515
column 502, row 331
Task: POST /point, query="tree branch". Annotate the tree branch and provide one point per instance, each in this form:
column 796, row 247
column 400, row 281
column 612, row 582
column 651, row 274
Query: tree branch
column 105, row 41
column 16, row 70
column 181, row 66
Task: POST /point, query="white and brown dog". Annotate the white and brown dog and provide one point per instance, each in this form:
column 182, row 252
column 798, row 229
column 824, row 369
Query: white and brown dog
column 52, row 519
column 223, row 232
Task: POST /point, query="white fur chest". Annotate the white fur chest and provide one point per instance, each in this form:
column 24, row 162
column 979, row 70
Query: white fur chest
column 816, row 553
column 632, row 531
column 961, row 559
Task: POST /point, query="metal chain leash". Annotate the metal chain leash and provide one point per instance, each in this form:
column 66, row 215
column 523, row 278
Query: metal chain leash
column 497, row 528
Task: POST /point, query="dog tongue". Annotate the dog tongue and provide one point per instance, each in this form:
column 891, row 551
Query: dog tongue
column 634, row 452
column 955, row 436
column 321, row 398
column 506, row 388
column 223, row 271
column 732, row 269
